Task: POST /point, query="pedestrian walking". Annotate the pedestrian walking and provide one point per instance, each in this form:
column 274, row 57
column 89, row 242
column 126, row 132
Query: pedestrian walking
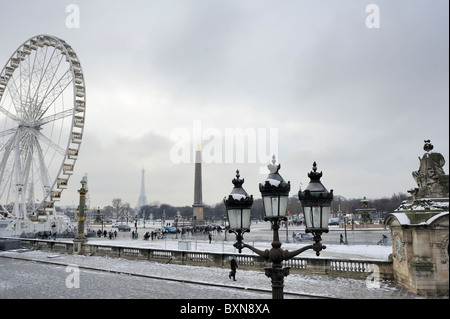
column 382, row 240
column 234, row 266
column 341, row 239
column 210, row 237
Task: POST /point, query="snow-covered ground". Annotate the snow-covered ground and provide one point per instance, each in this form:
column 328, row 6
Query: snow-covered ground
column 294, row 284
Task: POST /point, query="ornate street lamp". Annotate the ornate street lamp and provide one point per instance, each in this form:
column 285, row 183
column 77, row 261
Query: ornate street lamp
column 238, row 205
column 316, row 202
column 274, row 192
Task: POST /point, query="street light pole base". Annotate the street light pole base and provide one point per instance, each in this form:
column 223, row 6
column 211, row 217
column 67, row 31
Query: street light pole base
column 277, row 276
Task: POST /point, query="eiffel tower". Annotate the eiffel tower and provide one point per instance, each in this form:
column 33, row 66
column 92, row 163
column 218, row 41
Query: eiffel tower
column 142, row 201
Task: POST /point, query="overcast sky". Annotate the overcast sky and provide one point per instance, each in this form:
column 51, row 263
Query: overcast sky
column 309, row 78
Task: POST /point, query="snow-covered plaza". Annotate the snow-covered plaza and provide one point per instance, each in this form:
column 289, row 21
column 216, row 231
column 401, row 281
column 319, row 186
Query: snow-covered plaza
column 296, row 286
column 251, row 282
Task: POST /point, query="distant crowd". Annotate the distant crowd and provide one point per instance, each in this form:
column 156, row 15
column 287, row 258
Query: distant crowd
column 105, row 234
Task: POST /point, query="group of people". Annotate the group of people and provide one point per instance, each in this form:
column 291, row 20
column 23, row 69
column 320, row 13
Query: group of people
column 105, row 234
column 296, row 237
column 46, row 235
column 152, row 235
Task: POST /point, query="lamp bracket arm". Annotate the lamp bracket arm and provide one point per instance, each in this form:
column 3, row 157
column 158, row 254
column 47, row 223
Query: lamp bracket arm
column 291, row 254
column 261, row 253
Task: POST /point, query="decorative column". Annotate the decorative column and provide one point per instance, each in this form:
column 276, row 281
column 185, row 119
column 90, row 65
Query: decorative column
column 81, row 218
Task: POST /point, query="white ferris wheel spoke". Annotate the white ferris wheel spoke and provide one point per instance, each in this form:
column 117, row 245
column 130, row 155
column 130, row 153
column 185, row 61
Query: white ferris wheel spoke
column 56, row 91
column 8, row 132
column 6, row 154
column 55, row 117
column 49, row 142
column 9, row 114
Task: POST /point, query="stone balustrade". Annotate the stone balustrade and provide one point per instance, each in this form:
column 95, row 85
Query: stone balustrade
column 349, row 268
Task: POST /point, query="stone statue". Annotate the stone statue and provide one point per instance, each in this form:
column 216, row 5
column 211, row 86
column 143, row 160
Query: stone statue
column 419, row 229
column 431, row 178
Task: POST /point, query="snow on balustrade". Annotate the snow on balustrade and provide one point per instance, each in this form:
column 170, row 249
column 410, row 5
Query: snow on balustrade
column 296, row 263
column 161, row 254
column 198, row 257
column 350, row 266
column 245, row 260
column 131, row 252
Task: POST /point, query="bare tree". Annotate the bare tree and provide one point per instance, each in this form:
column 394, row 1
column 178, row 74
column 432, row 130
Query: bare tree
column 117, row 207
column 126, row 211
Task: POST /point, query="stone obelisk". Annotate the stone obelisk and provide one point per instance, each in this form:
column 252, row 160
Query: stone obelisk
column 198, row 202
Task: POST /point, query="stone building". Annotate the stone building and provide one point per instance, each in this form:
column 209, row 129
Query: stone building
column 419, row 229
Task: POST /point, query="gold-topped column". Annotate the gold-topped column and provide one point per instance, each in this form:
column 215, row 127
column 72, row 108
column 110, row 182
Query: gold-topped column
column 81, row 218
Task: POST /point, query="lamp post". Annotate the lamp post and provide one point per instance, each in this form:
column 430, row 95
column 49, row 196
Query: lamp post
column 177, row 218
column 99, row 217
column 274, row 192
column 345, row 229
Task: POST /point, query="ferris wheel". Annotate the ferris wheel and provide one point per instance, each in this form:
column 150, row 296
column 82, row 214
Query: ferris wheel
column 42, row 116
